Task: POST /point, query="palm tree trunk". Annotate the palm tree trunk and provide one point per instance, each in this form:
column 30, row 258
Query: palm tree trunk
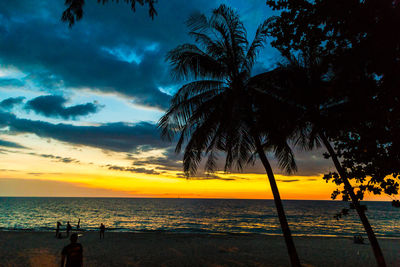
column 380, row 260
column 294, row 258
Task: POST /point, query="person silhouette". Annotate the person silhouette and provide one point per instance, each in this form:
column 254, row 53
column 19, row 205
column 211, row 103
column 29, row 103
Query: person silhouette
column 72, row 253
column 69, row 228
column 58, row 229
column 78, row 225
column 102, row 230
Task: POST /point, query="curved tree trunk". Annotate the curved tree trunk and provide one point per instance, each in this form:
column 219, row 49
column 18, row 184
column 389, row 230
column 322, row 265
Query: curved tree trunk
column 343, row 174
column 294, row 258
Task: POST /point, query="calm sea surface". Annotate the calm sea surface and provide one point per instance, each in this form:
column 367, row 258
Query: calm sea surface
column 193, row 215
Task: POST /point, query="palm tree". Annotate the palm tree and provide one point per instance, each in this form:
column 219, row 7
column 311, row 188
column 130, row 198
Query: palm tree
column 307, row 85
column 217, row 112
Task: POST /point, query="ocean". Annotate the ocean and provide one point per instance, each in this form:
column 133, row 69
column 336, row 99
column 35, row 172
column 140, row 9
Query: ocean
column 307, row 218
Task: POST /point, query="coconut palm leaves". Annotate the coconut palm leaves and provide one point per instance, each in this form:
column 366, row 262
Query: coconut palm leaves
column 210, row 112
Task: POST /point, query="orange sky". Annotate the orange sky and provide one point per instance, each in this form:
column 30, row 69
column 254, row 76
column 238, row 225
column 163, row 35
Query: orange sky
column 25, row 174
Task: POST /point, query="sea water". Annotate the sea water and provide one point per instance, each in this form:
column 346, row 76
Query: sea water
column 310, row 218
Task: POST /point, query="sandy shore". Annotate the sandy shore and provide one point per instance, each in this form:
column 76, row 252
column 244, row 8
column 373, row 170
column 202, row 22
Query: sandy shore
column 163, row 249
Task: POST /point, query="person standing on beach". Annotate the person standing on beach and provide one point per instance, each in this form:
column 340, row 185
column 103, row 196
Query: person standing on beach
column 102, row 230
column 58, row 229
column 78, row 226
column 72, row 253
column 69, row 228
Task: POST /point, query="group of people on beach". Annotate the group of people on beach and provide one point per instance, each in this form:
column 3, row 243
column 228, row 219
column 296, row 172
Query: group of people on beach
column 69, row 228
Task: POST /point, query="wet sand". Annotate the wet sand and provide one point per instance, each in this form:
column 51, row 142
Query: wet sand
column 168, row 249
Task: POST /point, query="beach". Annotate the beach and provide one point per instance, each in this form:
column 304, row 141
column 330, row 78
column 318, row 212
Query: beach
column 179, row 249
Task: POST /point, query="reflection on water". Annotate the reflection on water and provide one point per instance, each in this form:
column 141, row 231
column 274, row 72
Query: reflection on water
column 193, row 215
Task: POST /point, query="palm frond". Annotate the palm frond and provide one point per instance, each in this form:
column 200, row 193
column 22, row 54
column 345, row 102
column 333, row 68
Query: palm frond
column 189, row 61
column 212, row 47
column 198, row 23
column 257, row 43
column 285, row 157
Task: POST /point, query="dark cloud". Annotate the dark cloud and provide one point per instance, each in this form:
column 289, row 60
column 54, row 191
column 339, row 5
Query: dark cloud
column 10, row 144
column 310, row 163
column 110, row 49
column 85, row 57
column 57, row 158
column 209, row 176
column 168, row 161
column 5, row 82
column 132, row 169
column 10, row 102
column 54, row 106
column 121, row 137
column 287, row 180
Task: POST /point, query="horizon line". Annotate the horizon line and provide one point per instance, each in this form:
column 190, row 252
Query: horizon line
column 336, row 200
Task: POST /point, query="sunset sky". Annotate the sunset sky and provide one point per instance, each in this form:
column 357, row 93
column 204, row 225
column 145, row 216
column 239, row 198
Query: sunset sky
column 79, row 106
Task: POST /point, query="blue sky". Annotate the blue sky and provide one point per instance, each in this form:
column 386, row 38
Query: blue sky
column 112, row 58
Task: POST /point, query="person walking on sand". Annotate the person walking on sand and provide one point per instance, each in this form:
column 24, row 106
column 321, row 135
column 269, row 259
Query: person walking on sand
column 72, row 253
column 58, row 229
column 69, row 228
column 102, row 230
column 78, row 226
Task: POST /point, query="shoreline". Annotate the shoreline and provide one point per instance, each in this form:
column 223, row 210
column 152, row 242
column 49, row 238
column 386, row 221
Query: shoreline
column 128, row 231
column 190, row 249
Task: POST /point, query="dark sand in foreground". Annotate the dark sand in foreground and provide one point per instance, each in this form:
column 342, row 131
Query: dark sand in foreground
column 167, row 249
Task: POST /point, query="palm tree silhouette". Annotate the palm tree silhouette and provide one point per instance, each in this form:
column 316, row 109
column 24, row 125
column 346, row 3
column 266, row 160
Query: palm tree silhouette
column 306, row 84
column 218, row 111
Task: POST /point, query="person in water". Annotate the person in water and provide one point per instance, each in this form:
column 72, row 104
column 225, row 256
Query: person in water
column 58, row 229
column 78, row 226
column 69, row 228
column 102, row 230
column 72, row 254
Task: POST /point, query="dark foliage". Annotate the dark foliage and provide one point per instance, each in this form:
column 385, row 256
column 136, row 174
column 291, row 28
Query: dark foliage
column 360, row 44
column 74, row 11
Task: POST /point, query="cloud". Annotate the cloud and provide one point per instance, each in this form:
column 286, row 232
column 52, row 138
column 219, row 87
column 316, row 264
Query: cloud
column 310, row 163
column 10, row 102
column 57, row 158
column 209, row 176
column 132, row 169
column 120, row 137
column 10, row 144
column 288, row 180
column 54, row 106
column 129, row 60
column 11, row 82
column 83, row 59
column 167, row 161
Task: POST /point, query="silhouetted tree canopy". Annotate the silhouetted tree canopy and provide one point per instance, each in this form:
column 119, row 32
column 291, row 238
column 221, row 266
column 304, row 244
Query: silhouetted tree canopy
column 74, row 11
column 359, row 41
